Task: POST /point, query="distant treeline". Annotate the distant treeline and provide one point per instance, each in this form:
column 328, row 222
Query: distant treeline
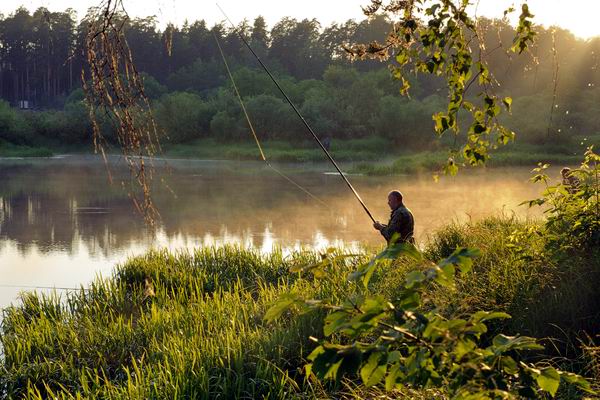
column 41, row 57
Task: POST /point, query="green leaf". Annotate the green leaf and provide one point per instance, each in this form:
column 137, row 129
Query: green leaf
column 282, row 304
column 442, row 122
column 502, row 343
column 335, row 321
column 578, row 381
column 374, row 369
column 482, row 316
column 509, row 365
column 463, row 347
column 507, row 101
column 462, row 258
column 393, row 376
column 451, row 168
column 548, row 380
column 414, row 279
column 446, row 277
column 325, row 362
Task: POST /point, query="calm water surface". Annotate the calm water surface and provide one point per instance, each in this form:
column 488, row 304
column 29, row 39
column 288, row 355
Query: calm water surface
column 62, row 223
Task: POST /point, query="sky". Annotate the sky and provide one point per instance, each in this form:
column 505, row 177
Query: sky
column 578, row 16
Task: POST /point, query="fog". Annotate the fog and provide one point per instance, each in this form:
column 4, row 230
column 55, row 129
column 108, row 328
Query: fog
column 62, row 224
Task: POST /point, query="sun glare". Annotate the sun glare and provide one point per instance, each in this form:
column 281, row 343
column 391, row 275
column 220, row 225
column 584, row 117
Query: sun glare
column 578, row 16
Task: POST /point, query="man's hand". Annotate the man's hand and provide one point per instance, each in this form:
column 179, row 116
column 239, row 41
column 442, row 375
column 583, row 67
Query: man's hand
column 377, row 225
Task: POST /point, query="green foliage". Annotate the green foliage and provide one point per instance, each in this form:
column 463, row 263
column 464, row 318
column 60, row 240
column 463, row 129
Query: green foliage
column 573, row 208
column 197, row 333
column 202, row 334
column 14, row 127
column 271, row 117
column 406, row 121
column 184, row 116
column 434, row 37
column 396, row 343
column 11, row 150
column 153, row 89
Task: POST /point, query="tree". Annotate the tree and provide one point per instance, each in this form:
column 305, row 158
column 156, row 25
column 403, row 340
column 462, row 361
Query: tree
column 183, row 116
column 259, row 38
column 295, row 45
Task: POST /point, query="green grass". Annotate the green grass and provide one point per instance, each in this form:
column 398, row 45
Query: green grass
column 12, row 150
column 342, row 150
column 377, row 156
column 202, row 334
column 521, row 155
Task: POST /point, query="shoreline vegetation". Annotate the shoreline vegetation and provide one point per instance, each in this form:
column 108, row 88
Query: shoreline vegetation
column 189, row 324
column 370, row 156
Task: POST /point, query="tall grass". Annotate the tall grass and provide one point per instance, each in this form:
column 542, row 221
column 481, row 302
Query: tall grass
column 190, row 324
column 201, row 335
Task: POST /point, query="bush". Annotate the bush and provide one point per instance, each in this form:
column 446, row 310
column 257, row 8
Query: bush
column 184, row 116
column 14, row 127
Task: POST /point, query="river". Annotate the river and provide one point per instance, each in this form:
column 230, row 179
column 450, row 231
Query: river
column 62, row 223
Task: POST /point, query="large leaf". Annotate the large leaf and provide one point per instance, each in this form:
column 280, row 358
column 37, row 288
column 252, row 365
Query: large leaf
column 374, row 369
column 282, row 304
column 482, row 316
column 461, row 258
column 503, row 343
column 548, row 380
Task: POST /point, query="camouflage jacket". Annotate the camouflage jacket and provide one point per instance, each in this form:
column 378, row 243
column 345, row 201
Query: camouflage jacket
column 401, row 222
column 571, row 183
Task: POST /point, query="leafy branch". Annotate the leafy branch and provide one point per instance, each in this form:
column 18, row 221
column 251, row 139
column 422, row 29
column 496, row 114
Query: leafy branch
column 437, row 37
column 398, row 345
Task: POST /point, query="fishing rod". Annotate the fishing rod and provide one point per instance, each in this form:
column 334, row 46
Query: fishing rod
column 262, row 154
column 291, row 103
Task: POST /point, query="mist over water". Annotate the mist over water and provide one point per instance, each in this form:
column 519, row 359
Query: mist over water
column 62, row 223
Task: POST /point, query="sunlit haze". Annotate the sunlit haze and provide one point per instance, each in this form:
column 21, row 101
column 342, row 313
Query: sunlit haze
column 578, row 16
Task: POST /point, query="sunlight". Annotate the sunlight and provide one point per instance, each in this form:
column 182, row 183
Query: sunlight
column 578, row 16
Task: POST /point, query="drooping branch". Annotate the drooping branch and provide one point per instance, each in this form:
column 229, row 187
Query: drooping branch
column 117, row 102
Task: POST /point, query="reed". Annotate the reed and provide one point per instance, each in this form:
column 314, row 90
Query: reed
column 189, row 324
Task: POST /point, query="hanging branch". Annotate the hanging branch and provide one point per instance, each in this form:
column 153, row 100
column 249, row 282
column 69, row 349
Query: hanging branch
column 437, row 37
column 118, row 104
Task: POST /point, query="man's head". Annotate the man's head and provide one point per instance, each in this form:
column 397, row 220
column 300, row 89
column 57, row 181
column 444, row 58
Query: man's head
column 565, row 172
column 394, row 199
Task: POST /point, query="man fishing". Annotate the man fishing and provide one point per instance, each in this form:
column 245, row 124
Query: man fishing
column 570, row 181
column 402, row 224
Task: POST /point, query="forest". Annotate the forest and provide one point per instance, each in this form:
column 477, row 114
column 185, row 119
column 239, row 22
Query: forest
column 554, row 84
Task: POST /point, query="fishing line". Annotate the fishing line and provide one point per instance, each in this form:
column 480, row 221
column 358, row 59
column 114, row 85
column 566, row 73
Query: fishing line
column 362, row 203
column 262, row 153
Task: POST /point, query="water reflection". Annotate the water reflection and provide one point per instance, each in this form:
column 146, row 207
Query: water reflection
column 61, row 223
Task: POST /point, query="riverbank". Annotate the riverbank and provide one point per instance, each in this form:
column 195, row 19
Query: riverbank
column 12, row 150
column 369, row 156
column 190, row 324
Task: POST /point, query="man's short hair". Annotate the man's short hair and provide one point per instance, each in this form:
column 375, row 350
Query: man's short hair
column 396, row 194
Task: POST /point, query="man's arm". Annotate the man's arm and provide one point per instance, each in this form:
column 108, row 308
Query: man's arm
column 387, row 231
